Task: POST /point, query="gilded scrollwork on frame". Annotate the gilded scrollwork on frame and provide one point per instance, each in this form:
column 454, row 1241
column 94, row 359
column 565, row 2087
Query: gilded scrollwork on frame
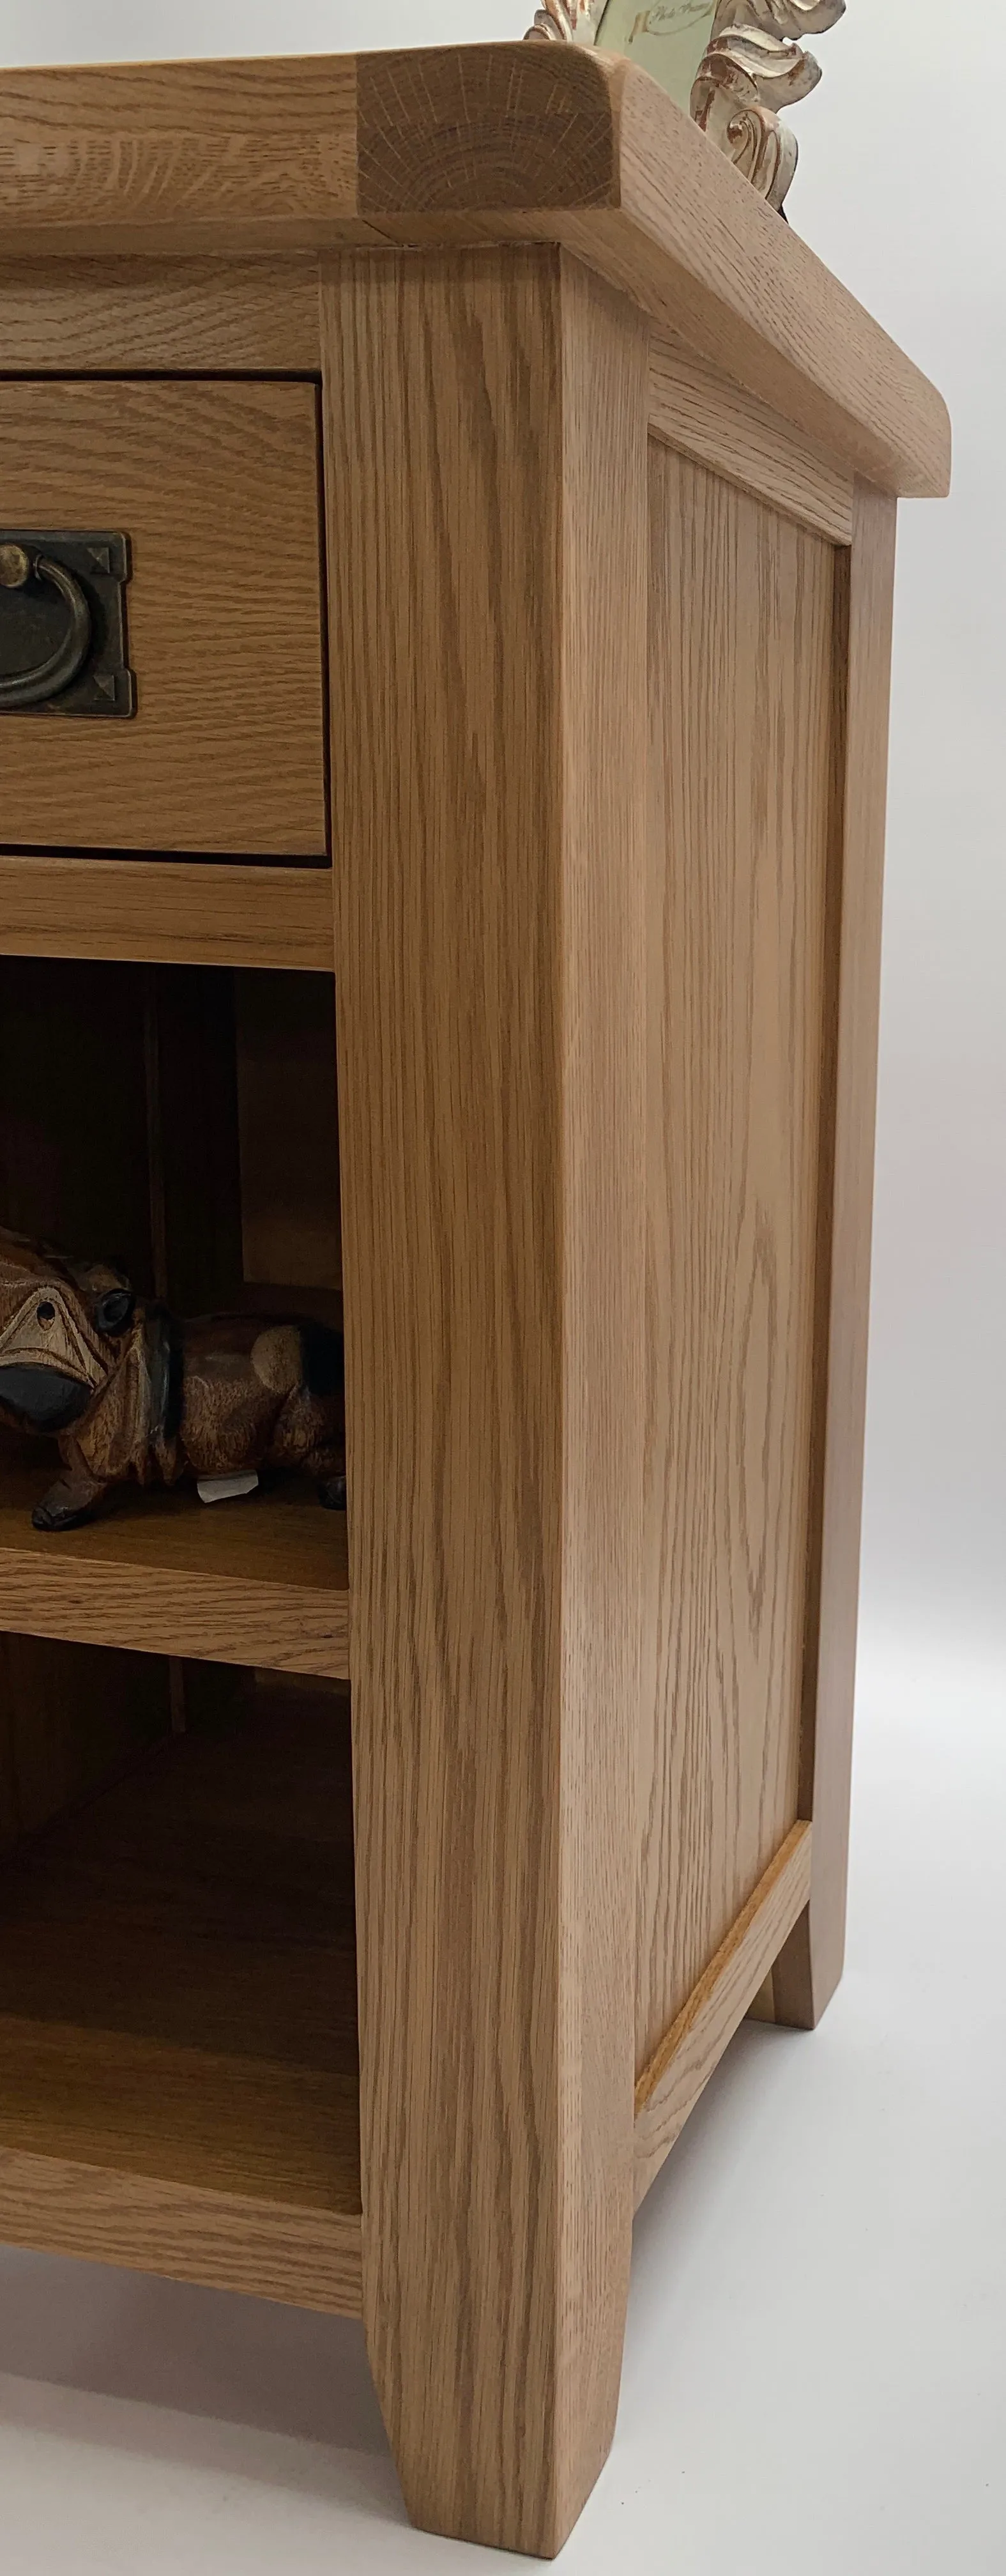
column 571, row 22
column 743, row 59
column 754, row 66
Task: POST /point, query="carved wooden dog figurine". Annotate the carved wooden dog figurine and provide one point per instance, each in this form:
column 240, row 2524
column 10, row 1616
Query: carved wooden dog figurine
column 130, row 1392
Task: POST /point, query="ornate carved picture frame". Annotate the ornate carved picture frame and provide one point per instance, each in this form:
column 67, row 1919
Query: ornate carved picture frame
column 732, row 64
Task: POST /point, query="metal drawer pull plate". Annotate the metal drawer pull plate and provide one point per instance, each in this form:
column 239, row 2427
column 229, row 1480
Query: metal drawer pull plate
column 63, row 644
column 47, row 679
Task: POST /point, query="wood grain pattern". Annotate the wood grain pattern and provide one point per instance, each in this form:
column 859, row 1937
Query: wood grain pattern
column 705, row 416
column 479, row 142
column 711, row 262
column 185, row 156
column 306, row 2258
column 187, row 316
column 259, row 1582
column 669, row 2087
column 161, row 2109
column 178, row 2009
column 674, row 226
column 808, row 1971
column 449, row 129
column 485, row 447
column 742, row 658
column 216, row 487
column 166, row 912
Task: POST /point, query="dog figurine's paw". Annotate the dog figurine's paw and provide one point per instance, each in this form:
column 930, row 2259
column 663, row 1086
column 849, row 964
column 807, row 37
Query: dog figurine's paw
column 65, row 1506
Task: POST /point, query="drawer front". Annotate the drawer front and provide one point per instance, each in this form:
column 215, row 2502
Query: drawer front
column 215, row 487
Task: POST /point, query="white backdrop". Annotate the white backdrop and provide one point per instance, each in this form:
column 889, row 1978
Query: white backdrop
column 899, row 190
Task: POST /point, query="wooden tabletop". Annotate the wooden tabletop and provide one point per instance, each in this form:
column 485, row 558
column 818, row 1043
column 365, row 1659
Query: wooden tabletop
column 459, row 145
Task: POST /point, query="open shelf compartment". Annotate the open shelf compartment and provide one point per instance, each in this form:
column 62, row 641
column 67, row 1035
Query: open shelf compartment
column 182, row 1121
column 178, row 2041
column 178, row 2036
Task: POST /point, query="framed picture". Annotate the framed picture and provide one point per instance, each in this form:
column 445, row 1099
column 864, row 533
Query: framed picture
column 667, row 39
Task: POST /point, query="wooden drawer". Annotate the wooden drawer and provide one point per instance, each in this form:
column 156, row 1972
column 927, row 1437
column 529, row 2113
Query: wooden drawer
column 216, row 488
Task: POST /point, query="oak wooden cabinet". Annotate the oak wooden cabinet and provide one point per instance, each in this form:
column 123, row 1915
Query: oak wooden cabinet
column 374, row 1904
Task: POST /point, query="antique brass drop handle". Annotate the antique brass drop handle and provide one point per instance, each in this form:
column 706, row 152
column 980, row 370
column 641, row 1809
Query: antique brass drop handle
column 46, row 679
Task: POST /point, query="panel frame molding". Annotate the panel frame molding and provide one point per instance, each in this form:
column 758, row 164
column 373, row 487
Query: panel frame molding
column 809, row 1968
column 709, row 417
column 679, row 2070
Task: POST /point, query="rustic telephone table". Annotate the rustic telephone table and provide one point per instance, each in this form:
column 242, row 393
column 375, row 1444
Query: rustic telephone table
column 445, row 632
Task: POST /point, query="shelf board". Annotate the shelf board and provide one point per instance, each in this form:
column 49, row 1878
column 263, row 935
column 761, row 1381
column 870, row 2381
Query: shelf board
column 260, row 1581
column 178, row 2058
column 166, row 912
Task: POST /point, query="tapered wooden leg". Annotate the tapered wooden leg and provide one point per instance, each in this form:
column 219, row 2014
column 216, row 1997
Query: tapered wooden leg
column 806, row 1974
column 486, row 472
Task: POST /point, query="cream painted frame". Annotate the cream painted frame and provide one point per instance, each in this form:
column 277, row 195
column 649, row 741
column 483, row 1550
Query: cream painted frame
column 731, row 64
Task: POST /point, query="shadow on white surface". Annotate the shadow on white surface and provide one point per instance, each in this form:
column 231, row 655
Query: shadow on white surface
column 233, row 2360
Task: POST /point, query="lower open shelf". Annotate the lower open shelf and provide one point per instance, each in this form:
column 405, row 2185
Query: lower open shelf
column 261, row 1581
column 178, row 2050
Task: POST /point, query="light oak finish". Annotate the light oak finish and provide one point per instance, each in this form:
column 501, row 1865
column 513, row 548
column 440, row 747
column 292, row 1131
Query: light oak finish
column 305, row 2258
column 607, row 634
column 484, row 142
column 166, row 2111
column 256, row 1582
column 193, row 317
column 179, row 157
column 742, row 678
column 216, row 487
column 166, row 912
column 486, row 432
column 670, row 2086
column 706, row 417
column 714, row 265
column 178, row 2013
column 809, row 1970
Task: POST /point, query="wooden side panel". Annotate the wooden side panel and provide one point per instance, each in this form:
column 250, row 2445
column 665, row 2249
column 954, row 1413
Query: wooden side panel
column 806, row 1975
column 742, row 610
column 486, row 471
